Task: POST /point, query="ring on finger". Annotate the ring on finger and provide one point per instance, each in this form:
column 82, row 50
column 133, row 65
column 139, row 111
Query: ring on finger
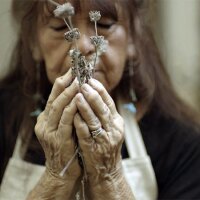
column 97, row 132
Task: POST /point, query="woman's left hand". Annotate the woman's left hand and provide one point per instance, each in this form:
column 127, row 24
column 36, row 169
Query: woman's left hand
column 100, row 132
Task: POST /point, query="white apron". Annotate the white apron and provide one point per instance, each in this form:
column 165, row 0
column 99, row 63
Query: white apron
column 20, row 176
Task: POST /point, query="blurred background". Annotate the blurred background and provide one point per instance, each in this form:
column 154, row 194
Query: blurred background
column 177, row 28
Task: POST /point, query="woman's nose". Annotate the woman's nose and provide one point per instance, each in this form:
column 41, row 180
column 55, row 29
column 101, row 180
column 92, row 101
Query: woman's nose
column 85, row 46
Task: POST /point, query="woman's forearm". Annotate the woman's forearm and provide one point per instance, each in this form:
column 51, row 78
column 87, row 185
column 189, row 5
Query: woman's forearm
column 53, row 188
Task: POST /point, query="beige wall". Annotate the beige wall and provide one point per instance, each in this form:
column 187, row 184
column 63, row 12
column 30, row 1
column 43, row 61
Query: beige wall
column 7, row 35
column 178, row 33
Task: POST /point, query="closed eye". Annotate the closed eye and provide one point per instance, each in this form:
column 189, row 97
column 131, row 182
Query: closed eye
column 59, row 28
column 105, row 25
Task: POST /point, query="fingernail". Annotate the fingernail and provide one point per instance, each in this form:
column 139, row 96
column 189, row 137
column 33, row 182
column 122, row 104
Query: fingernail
column 92, row 81
column 86, row 87
column 76, row 81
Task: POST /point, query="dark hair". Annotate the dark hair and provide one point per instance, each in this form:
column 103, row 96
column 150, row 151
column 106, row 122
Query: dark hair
column 151, row 81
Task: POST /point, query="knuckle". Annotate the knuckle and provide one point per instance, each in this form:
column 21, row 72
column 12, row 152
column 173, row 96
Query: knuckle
column 94, row 123
column 94, row 96
column 59, row 82
column 38, row 131
column 110, row 103
column 54, row 107
column 86, row 142
column 106, row 111
column 67, row 109
column 40, row 121
column 66, row 113
column 66, row 94
column 48, row 105
column 107, row 126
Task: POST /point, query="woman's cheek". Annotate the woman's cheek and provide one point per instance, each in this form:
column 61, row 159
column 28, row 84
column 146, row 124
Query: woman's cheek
column 56, row 59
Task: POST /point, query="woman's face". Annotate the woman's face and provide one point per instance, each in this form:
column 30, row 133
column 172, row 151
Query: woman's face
column 54, row 50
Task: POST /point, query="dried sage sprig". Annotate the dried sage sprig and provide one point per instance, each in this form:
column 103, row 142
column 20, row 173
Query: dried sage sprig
column 82, row 68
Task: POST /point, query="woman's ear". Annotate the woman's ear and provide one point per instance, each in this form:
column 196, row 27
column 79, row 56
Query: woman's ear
column 36, row 52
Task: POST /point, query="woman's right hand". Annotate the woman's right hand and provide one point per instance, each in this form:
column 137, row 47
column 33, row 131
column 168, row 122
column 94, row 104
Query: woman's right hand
column 55, row 125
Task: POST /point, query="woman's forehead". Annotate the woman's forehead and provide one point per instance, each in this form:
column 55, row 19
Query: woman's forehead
column 106, row 7
column 91, row 4
column 86, row 1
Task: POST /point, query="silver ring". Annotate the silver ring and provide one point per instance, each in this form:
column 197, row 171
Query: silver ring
column 97, row 132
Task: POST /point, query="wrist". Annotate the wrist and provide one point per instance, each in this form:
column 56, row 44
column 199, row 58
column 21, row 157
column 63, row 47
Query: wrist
column 106, row 181
column 113, row 186
column 53, row 187
column 106, row 176
column 55, row 177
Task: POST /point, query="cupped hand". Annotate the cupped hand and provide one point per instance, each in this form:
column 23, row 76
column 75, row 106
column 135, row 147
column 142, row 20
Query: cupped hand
column 98, row 115
column 55, row 126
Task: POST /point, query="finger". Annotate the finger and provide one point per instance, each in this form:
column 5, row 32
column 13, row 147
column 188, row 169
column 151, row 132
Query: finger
column 81, row 127
column 65, row 126
column 97, row 104
column 87, row 113
column 40, row 126
column 68, row 114
column 60, row 103
column 104, row 94
column 59, row 85
column 83, row 133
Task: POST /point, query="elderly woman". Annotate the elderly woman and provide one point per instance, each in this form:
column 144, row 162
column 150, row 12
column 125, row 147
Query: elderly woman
column 78, row 151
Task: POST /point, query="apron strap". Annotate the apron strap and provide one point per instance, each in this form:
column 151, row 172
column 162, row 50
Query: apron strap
column 16, row 152
column 138, row 168
column 133, row 137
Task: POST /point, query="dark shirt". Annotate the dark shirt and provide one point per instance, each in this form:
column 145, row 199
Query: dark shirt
column 174, row 149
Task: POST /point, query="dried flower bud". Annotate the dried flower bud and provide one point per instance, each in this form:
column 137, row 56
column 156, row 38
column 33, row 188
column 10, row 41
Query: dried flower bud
column 72, row 35
column 94, row 16
column 103, row 47
column 74, row 53
column 99, row 42
column 65, row 10
column 85, row 70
